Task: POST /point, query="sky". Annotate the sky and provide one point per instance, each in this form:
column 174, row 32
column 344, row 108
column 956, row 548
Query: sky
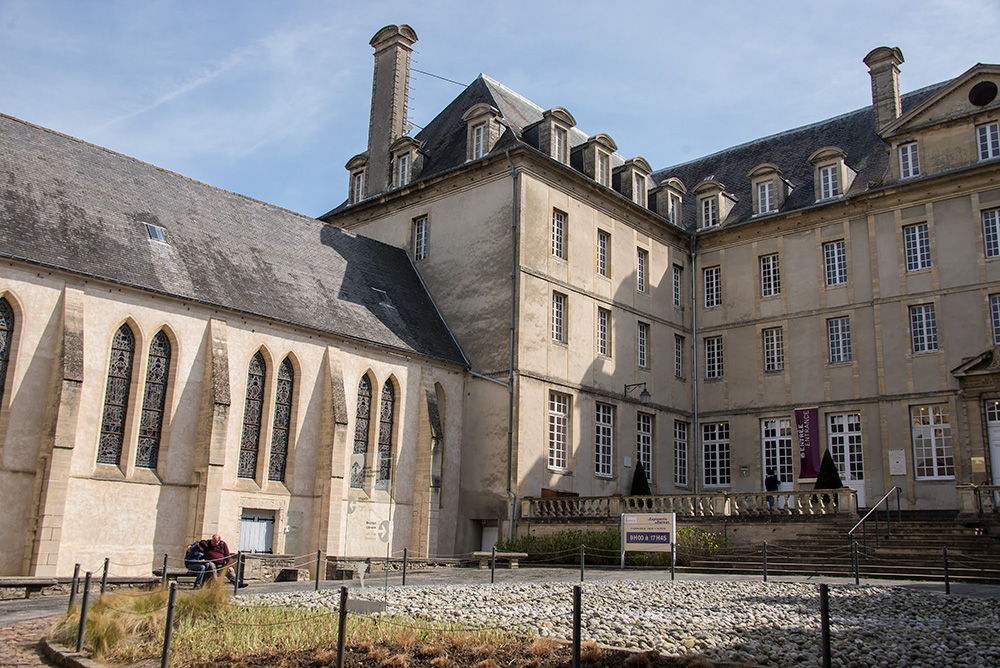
column 271, row 99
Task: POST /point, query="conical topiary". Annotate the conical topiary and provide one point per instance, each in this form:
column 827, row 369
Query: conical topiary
column 640, row 486
column 828, row 477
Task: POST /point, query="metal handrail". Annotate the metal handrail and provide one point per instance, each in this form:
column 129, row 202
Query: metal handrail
column 888, row 519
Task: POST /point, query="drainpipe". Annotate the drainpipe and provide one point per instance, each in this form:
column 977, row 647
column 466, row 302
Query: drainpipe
column 510, row 371
column 694, row 361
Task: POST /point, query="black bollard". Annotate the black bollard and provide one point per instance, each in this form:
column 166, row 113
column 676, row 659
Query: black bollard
column 169, row 630
column 856, row 559
column 73, row 587
column 576, row 626
column 83, row 613
column 342, row 627
column 164, row 581
column 947, row 580
column 104, row 576
column 319, row 558
column 405, row 554
column 673, row 562
column 493, row 565
column 583, row 558
column 824, row 613
column 765, row 561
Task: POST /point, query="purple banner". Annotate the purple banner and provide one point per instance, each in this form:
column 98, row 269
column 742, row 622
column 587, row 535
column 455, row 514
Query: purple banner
column 807, row 425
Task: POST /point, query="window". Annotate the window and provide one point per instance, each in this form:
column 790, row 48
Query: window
column 401, row 176
column 917, row 243
column 680, row 453
column 846, row 446
column 678, row 275
column 838, row 332
column 923, row 328
column 559, row 234
column 713, row 287
column 774, row 349
column 989, row 141
column 362, row 419
column 713, row 357
column 603, row 440
column 674, row 209
column 156, row 232
column 765, row 197
column 357, row 187
column 603, row 258
column 829, row 180
column 709, row 212
column 560, row 140
column 991, row 232
column 282, row 425
column 994, row 318
column 644, row 443
column 776, row 435
column 641, row 343
column 678, row 356
column 604, row 169
column 715, row 448
column 154, row 400
column 420, row 238
column 770, row 278
column 932, row 451
column 386, row 415
column 639, row 196
column 478, row 141
column 109, row 449
column 909, row 161
column 252, row 413
column 6, row 340
column 604, row 332
column 835, row 262
column 559, row 317
column 641, row 267
column 558, row 430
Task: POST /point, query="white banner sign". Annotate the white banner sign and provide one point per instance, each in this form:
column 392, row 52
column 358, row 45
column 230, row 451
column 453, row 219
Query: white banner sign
column 648, row 532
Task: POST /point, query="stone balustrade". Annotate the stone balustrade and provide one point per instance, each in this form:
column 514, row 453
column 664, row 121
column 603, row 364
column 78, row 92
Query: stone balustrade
column 979, row 499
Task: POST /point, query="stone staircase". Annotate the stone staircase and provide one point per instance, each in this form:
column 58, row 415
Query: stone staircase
column 914, row 550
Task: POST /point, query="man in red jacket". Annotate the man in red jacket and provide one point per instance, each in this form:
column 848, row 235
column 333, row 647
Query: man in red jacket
column 219, row 556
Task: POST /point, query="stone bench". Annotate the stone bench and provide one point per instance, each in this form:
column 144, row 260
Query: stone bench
column 510, row 557
column 29, row 584
column 181, row 575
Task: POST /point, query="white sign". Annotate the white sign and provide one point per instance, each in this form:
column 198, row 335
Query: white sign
column 648, row 532
column 897, row 462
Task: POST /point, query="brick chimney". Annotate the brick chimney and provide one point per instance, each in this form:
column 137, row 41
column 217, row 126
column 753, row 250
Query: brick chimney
column 390, row 89
column 883, row 64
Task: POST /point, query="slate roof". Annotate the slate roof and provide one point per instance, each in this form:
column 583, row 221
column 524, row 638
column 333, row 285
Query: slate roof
column 76, row 207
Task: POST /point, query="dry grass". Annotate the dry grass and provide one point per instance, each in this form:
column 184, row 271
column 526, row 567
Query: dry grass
column 590, row 652
column 544, row 647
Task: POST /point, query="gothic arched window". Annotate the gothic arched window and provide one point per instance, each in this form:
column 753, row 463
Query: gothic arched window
column 282, row 421
column 252, row 409
column 361, row 420
column 386, row 411
column 153, row 401
column 6, row 337
column 109, row 449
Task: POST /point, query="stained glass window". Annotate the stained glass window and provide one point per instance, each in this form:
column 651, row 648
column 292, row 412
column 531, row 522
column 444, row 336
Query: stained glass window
column 6, row 336
column 250, row 439
column 358, row 460
column 109, row 448
column 153, row 401
column 282, row 422
column 387, row 408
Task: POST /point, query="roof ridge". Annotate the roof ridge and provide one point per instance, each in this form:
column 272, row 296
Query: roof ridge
column 490, row 81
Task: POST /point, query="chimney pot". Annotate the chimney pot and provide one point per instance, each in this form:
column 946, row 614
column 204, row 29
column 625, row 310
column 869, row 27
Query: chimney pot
column 390, row 93
column 883, row 65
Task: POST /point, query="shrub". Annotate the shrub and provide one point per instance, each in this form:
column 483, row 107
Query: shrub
column 695, row 543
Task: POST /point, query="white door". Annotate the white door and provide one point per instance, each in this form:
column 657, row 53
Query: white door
column 993, row 434
column 257, row 531
column 844, row 440
column 776, row 437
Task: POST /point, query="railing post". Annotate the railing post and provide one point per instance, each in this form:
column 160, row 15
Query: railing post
column 319, row 558
column 947, row 581
column 493, row 565
column 404, row 566
column 899, row 513
column 765, row 561
column 876, row 527
column 238, row 575
column 855, row 559
column 824, row 612
column 342, row 627
column 73, row 587
column 888, row 518
column 164, row 582
column 576, row 626
column 104, row 576
column 583, row 550
column 83, row 613
column 169, row 630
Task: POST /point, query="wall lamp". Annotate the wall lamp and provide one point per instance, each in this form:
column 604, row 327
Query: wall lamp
column 644, row 396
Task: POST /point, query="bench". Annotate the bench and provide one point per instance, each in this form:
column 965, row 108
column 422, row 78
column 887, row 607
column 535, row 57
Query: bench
column 181, row 575
column 28, row 583
column 510, row 557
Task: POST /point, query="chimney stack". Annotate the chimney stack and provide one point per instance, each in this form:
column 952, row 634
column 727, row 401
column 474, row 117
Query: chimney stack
column 390, row 89
column 883, row 64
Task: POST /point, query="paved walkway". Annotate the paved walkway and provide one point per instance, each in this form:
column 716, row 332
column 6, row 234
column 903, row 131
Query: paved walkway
column 19, row 643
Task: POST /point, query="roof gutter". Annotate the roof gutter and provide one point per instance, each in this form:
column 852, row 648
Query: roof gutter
column 513, row 329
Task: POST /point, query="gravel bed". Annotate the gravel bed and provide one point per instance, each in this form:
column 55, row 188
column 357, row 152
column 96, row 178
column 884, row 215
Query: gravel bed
column 771, row 624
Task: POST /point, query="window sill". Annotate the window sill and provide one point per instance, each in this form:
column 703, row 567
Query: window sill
column 604, row 476
column 559, row 471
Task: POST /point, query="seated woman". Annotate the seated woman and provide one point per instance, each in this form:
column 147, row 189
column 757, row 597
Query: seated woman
column 195, row 562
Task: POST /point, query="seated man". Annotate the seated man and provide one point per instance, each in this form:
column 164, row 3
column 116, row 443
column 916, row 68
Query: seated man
column 195, row 561
column 218, row 554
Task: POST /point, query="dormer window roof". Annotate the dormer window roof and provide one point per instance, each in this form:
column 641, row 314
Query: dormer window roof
column 831, row 174
column 668, row 197
column 634, row 179
column 768, row 189
column 357, row 167
column 554, row 134
column 482, row 130
column 597, row 158
column 406, row 160
column 714, row 203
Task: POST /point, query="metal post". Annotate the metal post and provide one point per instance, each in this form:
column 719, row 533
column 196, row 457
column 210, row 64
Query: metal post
column 899, row 513
column 864, row 530
column 947, row 580
column 164, row 580
column 342, row 627
column 888, row 518
column 405, row 554
column 169, row 630
column 824, row 612
column 576, row 626
column 238, row 574
column 875, row 515
column 673, row 561
column 83, row 613
column 855, row 559
column 493, row 565
column 104, row 577
column 765, row 561
column 73, row 587
column 583, row 550
column 319, row 556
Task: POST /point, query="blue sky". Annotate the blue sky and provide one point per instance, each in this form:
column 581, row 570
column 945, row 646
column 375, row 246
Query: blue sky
column 270, row 99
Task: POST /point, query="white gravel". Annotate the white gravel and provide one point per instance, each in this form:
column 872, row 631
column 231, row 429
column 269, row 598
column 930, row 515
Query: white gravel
column 771, row 624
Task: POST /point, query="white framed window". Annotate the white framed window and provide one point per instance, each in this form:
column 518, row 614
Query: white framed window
column 156, row 232
column 641, row 343
column 639, row 194
column 995, row 318
column 559, row 234
column 401, row 175
column 678, row 275
column 604, row 420
column 558, row 431
column 765, row 197
column 641, row 269
column 709, row 212
column 838, row 333
column 559, row 317
column 604, row 332
column 674, row 209
column 603, row 253
column 678, row 356
column 917, row 243
column 933, row 456
column 846, row 445
column 644, row 443
column 604, row 169
column 923, row 328
column 715, row 450
column 420, row 231
column 829, row 182
column 478, row 141
column 560, row 141
column 357, row 187
column 770, row 276
column 989, row 140
column 713, row 286
column 835, row 262
column 713, row 357
column 680, row 453
column 776, row 435
column 909, row 161
column 774, row 349
column 991, row 232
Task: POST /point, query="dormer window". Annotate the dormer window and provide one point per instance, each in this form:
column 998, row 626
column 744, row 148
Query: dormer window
column 554, row 133
column 560, row 144
column 405, row 160
column 832, row 175
column 357, row 186
column 478, row 141
column 483, row 130
column 639, row 192
column 597, row 159
column 829, row 182
column 401, row 172
column 765, row 197
column 909, row 161
column 668, row 196
column 603, row 169
column 632, row 179
column 769, row 189
column 357, row 167
column 709, row 212
column 714, row 203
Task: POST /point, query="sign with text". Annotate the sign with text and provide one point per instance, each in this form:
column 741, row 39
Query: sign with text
column 648, row 532
column 807, row 425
